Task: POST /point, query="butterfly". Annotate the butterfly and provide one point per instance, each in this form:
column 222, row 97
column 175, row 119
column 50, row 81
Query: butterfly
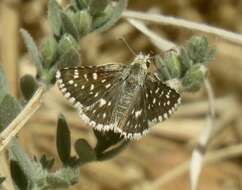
column 124, row 98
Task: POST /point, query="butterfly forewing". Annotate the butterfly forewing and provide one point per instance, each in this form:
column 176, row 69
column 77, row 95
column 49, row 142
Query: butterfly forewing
column 161, row 100
column 93, row 91
column 85, row 85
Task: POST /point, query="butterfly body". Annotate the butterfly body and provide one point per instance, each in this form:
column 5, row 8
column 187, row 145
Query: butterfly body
column 124, row 98
column 133, row 80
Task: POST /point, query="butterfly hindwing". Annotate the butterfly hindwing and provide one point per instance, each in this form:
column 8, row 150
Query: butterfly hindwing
column 161, row 100
column 136, row 124
column 155, row 102
column 99, row 115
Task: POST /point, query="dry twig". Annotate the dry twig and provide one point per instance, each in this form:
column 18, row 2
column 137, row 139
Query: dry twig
column 200, row 150
column 159, row 42
column 161, row 19
column 17, row 124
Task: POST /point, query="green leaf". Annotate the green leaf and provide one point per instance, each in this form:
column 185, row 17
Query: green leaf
column 98, row 6
column 27, row 166
column 63, row 178
column 18, row 176
column 198, row 50
column 63, row 140
column 33, row 50
column 28, row 86
column 185, row 60
column 46, row 163
column 2, row 180
column 4, row 89
column 54, row 17
column 194, row 78
column 173, row 65
column 68, row 24
column 162, row 70
column 49, row 51
column 9, row 109
column 84, row 151
column 67, row 43
column 69, row 59
column 83, row 22
column 68, row 52
column 113, row 13
column 81, row 4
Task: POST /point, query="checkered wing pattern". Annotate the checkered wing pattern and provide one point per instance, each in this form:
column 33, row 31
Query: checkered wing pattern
column 93, row 91
column 137, row 123
column 155, row 103
column 161, row 100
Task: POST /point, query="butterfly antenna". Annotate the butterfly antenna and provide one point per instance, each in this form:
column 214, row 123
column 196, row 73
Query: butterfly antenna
column 128, row 46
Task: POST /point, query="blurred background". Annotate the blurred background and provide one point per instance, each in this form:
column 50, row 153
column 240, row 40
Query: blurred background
column 150, row 162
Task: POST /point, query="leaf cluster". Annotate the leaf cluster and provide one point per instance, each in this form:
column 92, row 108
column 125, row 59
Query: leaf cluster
column 189, row 66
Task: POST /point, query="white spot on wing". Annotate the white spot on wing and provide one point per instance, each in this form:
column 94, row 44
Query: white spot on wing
column 138, row 113
column 102, row 102
column 157, row 90
column 72, row 100
column 70, row 81
column 85, row 76
column 67, row 95
column 94, row 76
column 58, row 74
column 63, row 90
column 168, row 102
column 92, row 87
column 154, row 100
column 108, row 85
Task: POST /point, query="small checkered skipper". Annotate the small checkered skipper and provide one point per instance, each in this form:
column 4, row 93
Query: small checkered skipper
column 124, row 98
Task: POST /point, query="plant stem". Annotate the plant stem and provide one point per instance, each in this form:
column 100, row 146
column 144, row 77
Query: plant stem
column 161, row 19
column 17, row 124
column 199, row 152
column 159, row 42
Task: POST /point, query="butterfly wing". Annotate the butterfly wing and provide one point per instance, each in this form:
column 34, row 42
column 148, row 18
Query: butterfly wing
column 161, row 100
column 155, row 103
column 136, row 123
column 85, row 85
column 93, row 91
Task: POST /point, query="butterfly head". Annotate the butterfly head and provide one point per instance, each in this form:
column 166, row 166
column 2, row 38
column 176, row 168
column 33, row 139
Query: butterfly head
column 144, row 60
